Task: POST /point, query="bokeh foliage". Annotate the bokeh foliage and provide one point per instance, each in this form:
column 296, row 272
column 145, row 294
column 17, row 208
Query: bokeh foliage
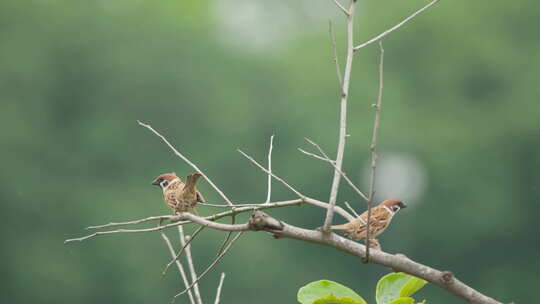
column 461, row 95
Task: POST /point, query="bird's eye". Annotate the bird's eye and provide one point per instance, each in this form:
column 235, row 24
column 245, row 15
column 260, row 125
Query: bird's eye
column 165, row 183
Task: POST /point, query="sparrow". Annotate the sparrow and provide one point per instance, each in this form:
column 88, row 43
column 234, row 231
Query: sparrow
column 381, row 215
column 179, row 196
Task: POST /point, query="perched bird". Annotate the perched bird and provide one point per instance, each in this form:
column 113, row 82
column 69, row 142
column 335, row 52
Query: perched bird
column 179, row 196
column 381, row 215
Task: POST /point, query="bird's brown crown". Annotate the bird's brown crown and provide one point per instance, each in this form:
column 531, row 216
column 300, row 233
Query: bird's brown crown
column 167, row 176
column 164, row 179
column 394, row 204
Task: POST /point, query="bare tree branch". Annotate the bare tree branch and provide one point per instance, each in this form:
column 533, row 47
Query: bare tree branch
column 334, row 50
column 185, row 159
column 227, row 237
column 218, row 292
column 324, row 205
column 214, row 217
column 316, row 156
column 225, row 206
column 269, row 192
column 373, row 147
column 343, row 117
column 261, row 221
column 122, row 231
column 179, row 265
column 351, row 209
column 300, row 195
column 320, row 150
column 200, row 220
column 214, row 225
column 179, row 253
column 343, row 174
column 219, row 257
column 343, row 9
column 185, row 243
column 396, row 262
column 395, row 27
column 306, row 199
column 148, row 219
column 242, row 208
column 333, row 164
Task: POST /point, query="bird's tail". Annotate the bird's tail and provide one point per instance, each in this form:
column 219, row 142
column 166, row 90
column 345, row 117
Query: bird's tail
column 192, row 180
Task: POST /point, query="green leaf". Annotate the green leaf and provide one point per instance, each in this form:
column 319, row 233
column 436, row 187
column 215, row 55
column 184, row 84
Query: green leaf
column 324, row 291
column 403, row 300
column 395, row 285
column 413, row 285
column 330, row 298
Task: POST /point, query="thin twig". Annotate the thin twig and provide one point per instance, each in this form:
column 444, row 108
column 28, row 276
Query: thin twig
column 189, row 216
column 334, row 50
column 227, row 237
column 179, row 265
column 151, row 218
column 324, row 205
column 185, row 159
column 185, row 242
column 214, row 225
column 218, row 292
column 373, row 148
column 320, row 149
column 351, row 209
column 225, row 206
column 269, row 192
column 395, row 27
column 344, row 10
column 214, row 217
column 179, row 253
column 343, row 118
column 122, row 231
column 241, row 209
column 343, row 174
column 218, row 258
column 300, row 195
column 316, row 156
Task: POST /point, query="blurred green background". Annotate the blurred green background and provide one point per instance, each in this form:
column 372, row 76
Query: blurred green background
column 460, row 140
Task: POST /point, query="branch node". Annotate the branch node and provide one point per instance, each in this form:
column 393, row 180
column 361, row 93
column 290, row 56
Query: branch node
column 262, row 221
column 447, row 277
column 325, row 230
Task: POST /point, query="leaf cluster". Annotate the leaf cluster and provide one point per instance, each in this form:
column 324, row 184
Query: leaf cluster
column 393, row 288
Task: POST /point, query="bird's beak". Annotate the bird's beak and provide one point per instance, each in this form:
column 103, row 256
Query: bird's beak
column 403, row 205
column 155, row 182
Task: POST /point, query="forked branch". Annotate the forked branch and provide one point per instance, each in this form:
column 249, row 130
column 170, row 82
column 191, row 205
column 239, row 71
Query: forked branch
column 373, row 147
column 343, row 116
column 395, row 27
